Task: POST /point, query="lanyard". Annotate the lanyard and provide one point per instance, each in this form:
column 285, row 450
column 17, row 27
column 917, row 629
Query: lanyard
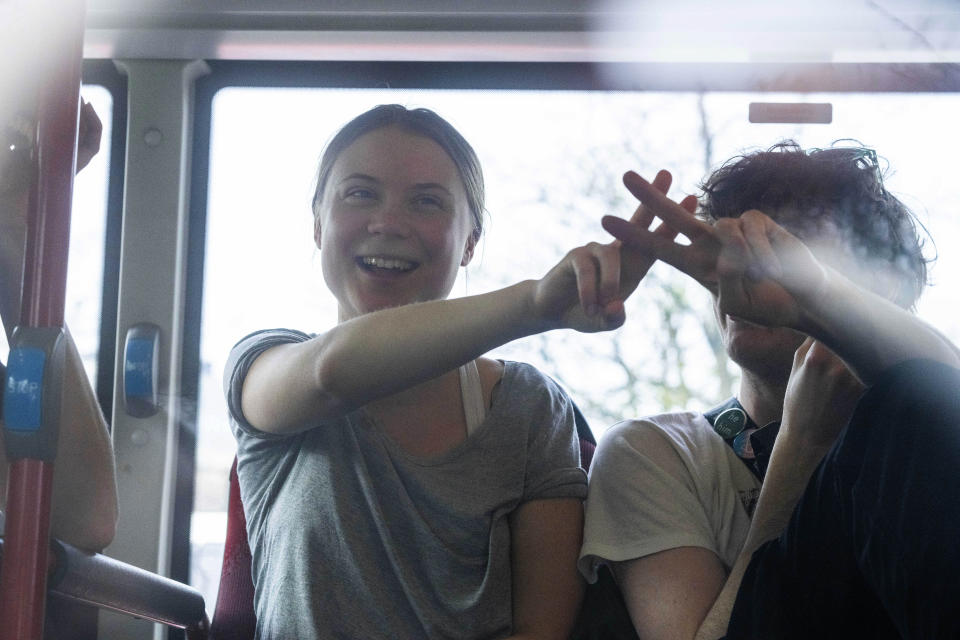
column 751, row 443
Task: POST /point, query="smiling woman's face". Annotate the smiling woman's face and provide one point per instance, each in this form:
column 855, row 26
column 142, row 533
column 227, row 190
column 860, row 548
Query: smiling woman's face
column 394, row 225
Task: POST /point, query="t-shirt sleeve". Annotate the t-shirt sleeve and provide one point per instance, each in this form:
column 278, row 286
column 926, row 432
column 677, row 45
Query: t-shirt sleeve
column 235, row 372
column 264, row 460
column 642, row 499
column 553, row 450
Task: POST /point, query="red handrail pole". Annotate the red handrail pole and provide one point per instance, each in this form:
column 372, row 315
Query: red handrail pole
column 23, row 576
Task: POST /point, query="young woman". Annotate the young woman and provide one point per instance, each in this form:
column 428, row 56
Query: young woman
column 397, row 483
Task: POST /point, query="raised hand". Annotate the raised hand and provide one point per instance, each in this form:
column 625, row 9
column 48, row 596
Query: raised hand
column 586, row 290
column 698, row 259
column 635, row 264
column 759, row 271
column 582, row 291
column 821, row 396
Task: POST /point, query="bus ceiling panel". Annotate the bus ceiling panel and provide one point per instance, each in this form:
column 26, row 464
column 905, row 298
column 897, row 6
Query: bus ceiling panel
column 538, row 30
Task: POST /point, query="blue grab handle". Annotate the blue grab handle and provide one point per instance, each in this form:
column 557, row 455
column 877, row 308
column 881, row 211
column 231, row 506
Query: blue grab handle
column 31, row 392
column 23, row 391
column 140, row 366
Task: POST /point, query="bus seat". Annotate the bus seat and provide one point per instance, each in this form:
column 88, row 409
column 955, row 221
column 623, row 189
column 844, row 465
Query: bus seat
column 234, row 617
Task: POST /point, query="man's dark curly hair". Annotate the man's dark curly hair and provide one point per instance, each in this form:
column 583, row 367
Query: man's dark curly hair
column 834, row 193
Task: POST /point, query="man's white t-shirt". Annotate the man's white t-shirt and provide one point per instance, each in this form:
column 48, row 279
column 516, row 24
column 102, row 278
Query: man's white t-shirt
column 664, row 482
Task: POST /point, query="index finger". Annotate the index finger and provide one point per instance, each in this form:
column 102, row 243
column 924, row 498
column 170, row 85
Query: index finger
column 658, row 244
column 642, row 215
column 695, row 260
column 663, row 207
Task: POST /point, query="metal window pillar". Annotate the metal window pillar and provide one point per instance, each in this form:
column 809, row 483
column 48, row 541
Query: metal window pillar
column 151, row 291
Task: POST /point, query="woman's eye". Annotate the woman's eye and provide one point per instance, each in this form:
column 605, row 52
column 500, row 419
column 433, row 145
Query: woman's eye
column 358, row 193
column 428, row 201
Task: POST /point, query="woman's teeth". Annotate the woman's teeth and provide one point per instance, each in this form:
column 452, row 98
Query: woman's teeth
column 388, row 263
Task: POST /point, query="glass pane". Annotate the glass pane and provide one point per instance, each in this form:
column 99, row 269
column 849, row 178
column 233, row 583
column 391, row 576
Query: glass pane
column 87, row 232
column 552, row 163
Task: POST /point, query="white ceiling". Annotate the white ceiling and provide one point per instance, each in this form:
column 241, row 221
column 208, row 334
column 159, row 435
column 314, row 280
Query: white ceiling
column 556, row 30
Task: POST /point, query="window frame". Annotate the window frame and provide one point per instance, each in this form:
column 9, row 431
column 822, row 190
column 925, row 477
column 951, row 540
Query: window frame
column 544, row 76
column 104, row 73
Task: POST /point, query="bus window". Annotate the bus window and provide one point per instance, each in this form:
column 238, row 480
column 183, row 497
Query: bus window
column 552, row 163
column 87, row 227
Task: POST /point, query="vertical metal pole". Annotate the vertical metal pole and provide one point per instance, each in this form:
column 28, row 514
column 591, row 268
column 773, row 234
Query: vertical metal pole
column 23, row 576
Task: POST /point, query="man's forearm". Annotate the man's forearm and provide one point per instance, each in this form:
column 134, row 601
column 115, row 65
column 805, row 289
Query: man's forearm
column 792, row 462
column 869, row 332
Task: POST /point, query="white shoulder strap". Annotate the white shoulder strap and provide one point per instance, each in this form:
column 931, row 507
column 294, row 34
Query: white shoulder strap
column 474, row 408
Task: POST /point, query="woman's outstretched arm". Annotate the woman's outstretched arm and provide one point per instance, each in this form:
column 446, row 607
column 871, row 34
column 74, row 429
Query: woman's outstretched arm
column 378, row 354
column 290, row 386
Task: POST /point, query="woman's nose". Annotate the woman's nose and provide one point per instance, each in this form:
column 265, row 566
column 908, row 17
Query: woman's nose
column 390, row 219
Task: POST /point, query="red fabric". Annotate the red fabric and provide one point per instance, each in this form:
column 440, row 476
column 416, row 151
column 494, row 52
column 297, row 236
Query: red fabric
column 587, row 450
column 234, row 618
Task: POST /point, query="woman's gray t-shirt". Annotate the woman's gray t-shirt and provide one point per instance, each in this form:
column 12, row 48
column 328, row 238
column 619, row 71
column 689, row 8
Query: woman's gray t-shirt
column 352, row 537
